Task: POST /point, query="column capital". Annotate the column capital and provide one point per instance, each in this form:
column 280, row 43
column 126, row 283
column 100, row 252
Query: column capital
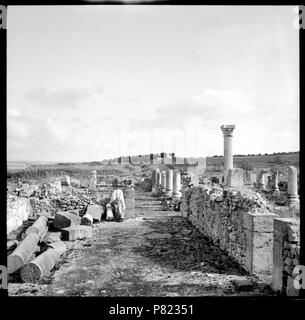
column 227, row 130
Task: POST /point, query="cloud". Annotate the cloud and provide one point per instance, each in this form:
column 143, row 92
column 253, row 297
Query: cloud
column 62, row 97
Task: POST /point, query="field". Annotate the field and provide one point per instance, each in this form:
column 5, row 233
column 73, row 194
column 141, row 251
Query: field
column 82, row 170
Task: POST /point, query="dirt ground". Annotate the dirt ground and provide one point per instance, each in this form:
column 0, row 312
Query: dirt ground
column 152, row 253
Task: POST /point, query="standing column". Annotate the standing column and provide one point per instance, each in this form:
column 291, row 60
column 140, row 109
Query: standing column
column 293, row 187
column 169, row 182
column 227, row 131
column 262, row 181
column 177, row 184
column 276, row 189
column 154, row 180
column 159, row 178
column 163, row 182
column 93, row 179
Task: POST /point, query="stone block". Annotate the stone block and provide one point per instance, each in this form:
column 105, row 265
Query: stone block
column 278, row 265
column 287, row 228
column 75, row 182
column 235, row 177
column 259, row 222
column 87, row 220
column 65, row 219
column 290, row 289
column 96, row 211
column 65, row 181
column 76, row 232
column 259, row 237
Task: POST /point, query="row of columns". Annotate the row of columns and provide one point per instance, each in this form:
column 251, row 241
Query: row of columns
column 169, row 181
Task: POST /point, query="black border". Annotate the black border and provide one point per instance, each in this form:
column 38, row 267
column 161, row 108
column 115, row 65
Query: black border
column 227, row 306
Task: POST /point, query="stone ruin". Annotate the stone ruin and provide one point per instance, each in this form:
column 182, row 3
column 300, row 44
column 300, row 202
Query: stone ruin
column 40, row 218
column 251, row 215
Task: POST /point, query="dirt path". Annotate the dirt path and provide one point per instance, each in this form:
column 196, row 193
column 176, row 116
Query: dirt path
column 155, row 253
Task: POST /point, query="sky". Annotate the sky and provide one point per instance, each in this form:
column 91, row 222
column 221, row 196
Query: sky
column 87, row 83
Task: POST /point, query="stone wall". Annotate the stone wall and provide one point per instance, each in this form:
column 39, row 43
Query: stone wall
column 18, row 210
column 286, row 252
column 239, row 221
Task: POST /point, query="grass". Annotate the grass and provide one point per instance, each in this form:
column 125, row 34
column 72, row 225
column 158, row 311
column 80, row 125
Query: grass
column 80, row 171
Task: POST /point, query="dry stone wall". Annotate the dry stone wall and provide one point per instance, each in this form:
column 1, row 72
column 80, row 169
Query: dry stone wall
column 239, row 221
column 286, row 254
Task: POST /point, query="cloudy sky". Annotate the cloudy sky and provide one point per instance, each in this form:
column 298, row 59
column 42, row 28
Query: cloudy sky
column 87, row 83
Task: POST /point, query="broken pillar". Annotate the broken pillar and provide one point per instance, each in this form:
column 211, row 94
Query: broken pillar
column 65, row 219
column 169, row 182
column 40, row 227
column 177, row 184
column 22, row 253
column 235, row 177
column 129, row 200
column 93, row 179
column 294, row 201
column 262, row 180
column 96, row 211
column 159, row 179
column 154, row 179
column 227, row 131
column 41, row 265
column 109, row 212
column 163, row 185
column 51, row 237
column 275, row 179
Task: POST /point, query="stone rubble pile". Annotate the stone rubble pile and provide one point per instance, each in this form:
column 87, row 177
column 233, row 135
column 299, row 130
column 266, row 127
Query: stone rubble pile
column 58, row 212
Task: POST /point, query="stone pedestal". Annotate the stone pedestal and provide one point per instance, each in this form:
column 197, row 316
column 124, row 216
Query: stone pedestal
column 169, row 182
column 227, row 131
column 259, row 236
column 294, row 201
column 177, row 184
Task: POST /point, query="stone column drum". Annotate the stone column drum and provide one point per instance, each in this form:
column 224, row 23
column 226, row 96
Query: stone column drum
column 293, row 187
column 262, row 180
column 163, row 181
column 177, row 184
column 276, row 189
column 169, row 182
column 154, row 180
column 227, row 131
column 159, row 179
column 93, row 179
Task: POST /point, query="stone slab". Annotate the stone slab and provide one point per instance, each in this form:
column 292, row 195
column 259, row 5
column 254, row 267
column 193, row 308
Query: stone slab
column 76, row 232
column 96, row 211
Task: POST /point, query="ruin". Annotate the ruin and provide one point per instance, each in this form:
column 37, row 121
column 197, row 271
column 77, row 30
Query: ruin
column 227, row 131
column 255, row 223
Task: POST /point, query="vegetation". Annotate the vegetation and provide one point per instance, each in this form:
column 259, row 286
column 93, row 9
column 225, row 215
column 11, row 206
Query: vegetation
column 105, row 168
